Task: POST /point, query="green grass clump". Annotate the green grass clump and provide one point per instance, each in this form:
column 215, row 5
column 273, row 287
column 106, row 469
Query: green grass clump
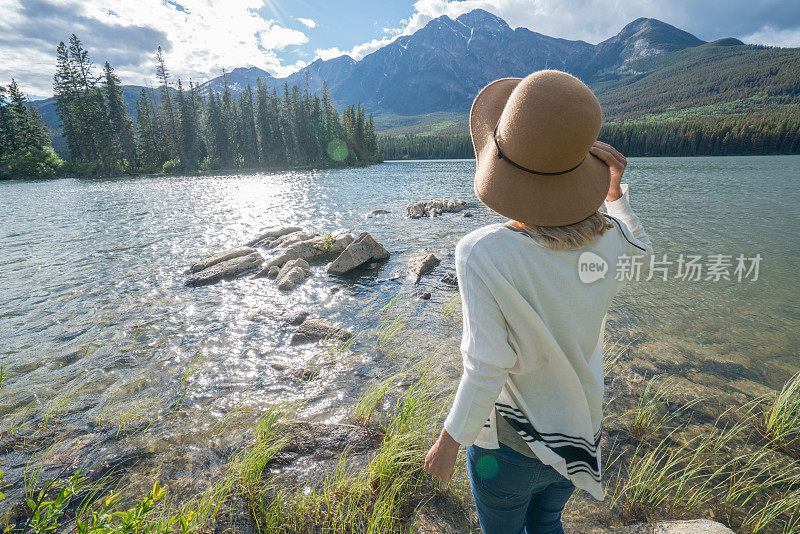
column 782, row 419
column 377, row 498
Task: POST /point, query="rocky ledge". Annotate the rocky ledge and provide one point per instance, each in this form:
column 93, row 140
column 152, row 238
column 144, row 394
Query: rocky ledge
column 224, row 265
column 290, row 251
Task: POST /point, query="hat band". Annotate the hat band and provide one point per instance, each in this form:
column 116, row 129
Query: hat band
column 500, row 155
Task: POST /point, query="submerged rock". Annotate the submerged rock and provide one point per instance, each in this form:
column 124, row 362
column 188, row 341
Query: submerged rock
column 467, row 214
column 377, row 212
column 320, row 248
column 697, row 526
column 315, row 329
column 225, row 269
column 434, row 207
column 450, row 278
column 422, row 265
column 298, row 318
column 219, row 257
column 292, row 273
column 362, row 250
column 273, row 234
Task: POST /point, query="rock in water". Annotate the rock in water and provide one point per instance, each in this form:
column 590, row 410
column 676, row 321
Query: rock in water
column 697, row 526
column 226, row 269
column 467, row 214
column 315, row 329
column 364, row 249
column 320, row 248
column 288, row 239
column 450, row 278
column 273, row 234
column 377, row 212
column 273, row 272
column 434, row 207
column 219, row 257
column 298, row 318
column 422, row 265
column 292, row 273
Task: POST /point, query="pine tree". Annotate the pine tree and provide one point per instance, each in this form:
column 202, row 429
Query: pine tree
column 371, row 142
column 169, row 123
column 121, row 124
column 190, row 142
column 149, row 152
column 248, row 137
column 82, row 108
column 219, row 137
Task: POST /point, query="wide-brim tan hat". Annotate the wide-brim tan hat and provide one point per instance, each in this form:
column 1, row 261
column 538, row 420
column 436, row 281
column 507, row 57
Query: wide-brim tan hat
column 532, row 137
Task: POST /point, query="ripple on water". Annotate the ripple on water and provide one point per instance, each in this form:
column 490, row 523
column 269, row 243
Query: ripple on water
column 93, row 308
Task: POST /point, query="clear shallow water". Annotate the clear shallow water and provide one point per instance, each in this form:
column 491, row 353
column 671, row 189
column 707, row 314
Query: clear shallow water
column 97, row 330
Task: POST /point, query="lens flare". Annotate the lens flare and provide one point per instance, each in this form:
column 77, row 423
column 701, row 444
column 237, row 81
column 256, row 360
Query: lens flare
column 337, row 150
column 486, row 467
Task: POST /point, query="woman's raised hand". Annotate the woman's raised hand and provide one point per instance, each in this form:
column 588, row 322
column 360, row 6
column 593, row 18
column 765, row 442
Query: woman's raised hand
column 616, row 163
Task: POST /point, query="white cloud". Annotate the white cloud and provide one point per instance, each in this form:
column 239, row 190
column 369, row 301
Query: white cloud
column 199, row 37
column 276, row 37
column 767, row 35
column 328, row 53
column 310, row 23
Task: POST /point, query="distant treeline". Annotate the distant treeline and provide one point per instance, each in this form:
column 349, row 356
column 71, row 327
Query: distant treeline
column 696, row 137
column 184, row 129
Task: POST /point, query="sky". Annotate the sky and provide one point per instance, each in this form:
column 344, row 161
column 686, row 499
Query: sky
column 201, row 37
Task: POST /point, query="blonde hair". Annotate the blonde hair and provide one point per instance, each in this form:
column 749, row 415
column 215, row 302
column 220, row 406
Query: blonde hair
column 575, row 235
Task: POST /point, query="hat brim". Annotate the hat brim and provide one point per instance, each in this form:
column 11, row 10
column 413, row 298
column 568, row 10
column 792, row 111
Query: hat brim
column 522, row 196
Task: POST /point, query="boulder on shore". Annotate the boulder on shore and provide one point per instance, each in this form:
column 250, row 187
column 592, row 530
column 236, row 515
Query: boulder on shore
column 272, row 234
column 362, row 250
column 292, row 273
column 696, row 526
column 219, row 257
column 320, row 248
column 422, row 265
column 312, row 330
column 225, row 269
column 432, row 208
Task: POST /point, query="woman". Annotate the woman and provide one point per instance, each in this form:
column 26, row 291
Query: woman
column 535, row 292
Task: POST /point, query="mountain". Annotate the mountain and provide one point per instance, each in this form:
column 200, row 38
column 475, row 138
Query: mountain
column 641, row 39
column 236, row 80
column 443, row 65
column 425, row 82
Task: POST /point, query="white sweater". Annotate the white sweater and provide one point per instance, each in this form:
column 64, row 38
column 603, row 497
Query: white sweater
column 532, row 341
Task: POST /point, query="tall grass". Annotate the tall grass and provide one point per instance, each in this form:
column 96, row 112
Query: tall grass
column 782, row 418
column 723, row 469
column 377, row 498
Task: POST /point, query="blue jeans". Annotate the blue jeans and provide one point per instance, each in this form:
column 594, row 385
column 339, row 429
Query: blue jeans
column 515, row 494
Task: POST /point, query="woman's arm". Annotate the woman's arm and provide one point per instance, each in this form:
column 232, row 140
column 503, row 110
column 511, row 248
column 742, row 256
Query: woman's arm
column 617, row 200
column 487, row 358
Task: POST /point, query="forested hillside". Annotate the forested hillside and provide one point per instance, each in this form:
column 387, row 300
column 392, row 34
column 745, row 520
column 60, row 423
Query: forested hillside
column 180, row 130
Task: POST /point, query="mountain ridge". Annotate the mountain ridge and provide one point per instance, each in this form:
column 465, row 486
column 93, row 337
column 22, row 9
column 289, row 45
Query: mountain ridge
column 439, row 68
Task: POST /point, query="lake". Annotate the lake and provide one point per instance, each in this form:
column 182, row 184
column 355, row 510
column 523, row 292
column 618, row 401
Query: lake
column 118, row 365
